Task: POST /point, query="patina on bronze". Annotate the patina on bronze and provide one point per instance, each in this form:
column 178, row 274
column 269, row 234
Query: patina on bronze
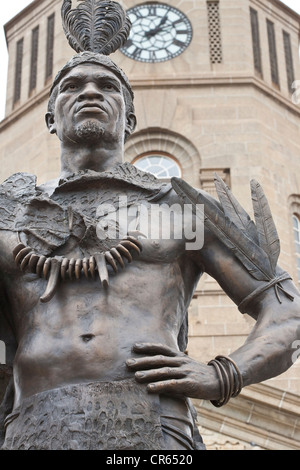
column 100, row 366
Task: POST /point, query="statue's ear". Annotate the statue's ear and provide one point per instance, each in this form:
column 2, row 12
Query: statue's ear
column 130, row 124
column 50, row 121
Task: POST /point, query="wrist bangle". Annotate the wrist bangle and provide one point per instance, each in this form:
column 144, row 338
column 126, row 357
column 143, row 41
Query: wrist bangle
column 230, row 379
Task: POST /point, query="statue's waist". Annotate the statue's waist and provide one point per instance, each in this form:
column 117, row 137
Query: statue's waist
column 101, row 415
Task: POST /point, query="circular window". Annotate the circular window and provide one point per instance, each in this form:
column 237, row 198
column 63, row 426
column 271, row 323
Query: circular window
column 161, row 166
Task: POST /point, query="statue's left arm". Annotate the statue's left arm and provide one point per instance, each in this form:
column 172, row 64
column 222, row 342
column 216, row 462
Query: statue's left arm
column 242, row 257
column 274, row 304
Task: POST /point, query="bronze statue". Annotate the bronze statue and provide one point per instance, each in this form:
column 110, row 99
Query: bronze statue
column 93, row 310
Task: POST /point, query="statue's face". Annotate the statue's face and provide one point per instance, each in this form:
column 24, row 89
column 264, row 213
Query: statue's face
column 90, row 106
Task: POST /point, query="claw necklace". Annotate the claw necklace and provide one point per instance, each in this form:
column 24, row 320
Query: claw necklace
column 57, row 268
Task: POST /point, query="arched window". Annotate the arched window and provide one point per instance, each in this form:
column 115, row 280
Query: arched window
column 177, row 155
column 160, row 164
column 296, row 231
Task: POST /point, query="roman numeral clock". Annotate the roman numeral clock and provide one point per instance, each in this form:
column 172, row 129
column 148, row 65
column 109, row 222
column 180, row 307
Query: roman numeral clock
column 159, row 32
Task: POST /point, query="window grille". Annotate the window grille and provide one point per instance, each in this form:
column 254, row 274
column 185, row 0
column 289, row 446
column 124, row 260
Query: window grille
column 288, row 60
column 214, row 29
column 50, row 46
column 34, row 58
column 256, row 41
column 273, row 53
column 18, row 70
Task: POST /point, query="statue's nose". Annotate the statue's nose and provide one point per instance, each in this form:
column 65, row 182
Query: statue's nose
column 91, row 91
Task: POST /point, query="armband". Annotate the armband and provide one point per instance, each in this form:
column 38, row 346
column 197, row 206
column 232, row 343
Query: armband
column 276, row 283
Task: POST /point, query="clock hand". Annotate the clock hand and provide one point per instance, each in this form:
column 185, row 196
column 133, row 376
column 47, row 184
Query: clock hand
column 162, row 22
column 167, row 27
column 157, row 29
column 151, row 33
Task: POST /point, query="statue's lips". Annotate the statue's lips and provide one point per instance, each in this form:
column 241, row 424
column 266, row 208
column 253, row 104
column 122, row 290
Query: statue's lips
column 90, row 108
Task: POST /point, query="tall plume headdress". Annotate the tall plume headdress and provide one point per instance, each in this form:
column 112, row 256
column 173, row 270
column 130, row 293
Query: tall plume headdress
column 94, row 29
column 95, row 25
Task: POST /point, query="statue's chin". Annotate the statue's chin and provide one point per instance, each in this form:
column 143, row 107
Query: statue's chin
column 90, row 131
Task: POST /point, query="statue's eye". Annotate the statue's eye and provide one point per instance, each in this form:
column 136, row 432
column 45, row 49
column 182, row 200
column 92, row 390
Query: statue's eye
column 108, row 86
column 69, row 87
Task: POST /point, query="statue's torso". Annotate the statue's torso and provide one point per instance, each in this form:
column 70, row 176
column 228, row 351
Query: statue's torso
column 86, row 332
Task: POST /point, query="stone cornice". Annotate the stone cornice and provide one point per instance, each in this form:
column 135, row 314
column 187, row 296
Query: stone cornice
column 22, row 15
column 25, row 108
column 279, row 8
column 268, row 416
column 215, row 80
column 167, row 82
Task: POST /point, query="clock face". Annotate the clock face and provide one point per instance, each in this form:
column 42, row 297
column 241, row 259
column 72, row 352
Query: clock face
column 159, row 32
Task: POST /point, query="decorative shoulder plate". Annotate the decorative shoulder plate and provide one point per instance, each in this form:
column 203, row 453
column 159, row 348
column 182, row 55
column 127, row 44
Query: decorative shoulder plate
column 72, row 208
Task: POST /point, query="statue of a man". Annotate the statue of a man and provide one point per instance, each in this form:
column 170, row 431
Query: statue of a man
column 96, row 323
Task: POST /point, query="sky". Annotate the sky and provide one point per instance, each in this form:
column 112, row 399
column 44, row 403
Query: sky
column 13, row 7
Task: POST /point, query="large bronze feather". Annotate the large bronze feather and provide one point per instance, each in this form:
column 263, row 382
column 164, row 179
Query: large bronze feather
column 257, row 247
column 267, row 233
column 234, row 211
column 99, row 26
column 252, row 256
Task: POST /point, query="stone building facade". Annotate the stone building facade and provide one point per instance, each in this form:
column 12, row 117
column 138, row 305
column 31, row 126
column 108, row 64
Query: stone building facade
column 227, row 104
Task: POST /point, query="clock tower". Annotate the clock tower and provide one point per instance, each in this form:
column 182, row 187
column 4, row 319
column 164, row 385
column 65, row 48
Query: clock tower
column 215, row 84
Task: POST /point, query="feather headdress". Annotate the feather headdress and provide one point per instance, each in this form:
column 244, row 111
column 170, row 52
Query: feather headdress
column 99, row 26
column 95, row 29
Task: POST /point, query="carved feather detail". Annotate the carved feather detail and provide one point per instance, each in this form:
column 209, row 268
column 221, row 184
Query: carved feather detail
column 267, row 233
column 248, row 252
column 99, row 26
column 257, row 247
column 234, row 211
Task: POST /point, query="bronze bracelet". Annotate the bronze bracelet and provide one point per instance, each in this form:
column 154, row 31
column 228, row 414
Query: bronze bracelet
column 230, row 379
